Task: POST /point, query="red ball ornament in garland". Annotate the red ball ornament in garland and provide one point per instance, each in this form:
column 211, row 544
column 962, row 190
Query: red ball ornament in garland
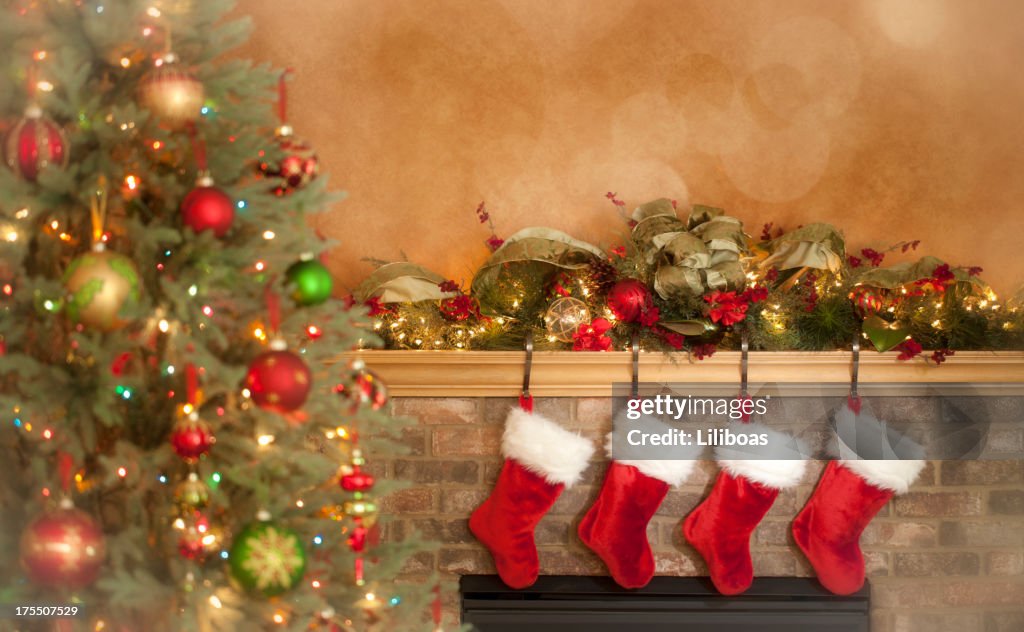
column 171, row 92
column 867, row 300
column 63, row 548
column 297, row 167
column 279, row 380
column 629, row 299
column 35, row 144
column 191, row 437
column 206, row 207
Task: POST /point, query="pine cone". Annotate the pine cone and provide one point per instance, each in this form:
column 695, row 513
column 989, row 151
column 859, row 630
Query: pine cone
column 603, row 275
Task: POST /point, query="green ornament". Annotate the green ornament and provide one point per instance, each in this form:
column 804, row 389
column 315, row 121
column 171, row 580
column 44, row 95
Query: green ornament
column 267, row 559
column 884, row 335
column 311, row 282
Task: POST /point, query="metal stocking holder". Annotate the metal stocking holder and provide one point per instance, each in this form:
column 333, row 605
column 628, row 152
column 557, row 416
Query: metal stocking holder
column 855, row 369
column 744, row 366
column 635, row 347
column 528, row 346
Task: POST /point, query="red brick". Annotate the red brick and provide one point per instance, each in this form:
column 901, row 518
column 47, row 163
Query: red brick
column 554, row 530
column 594, row 413
column 991, row 532
column 773, row 533
column 1004, row 621
column 462, row 501
column 876, row 563
column 1008, row 441
column 936, row 564
column 885, row 533
column 466, row 441
column 465, row 561
column 447, row 531
column 679, row 564
column 936, row 504
column 774, row 563
column 557, row 409
column 890, row 593
column 679, row 503
column 1005, row 563
column 430, row 411
column 421, row 563
column 1006, row 501
column 563, row 561
column 406, row 501
column 984, row 593
column 936, row 622
column 437, row 471
column 982, row 472
column 574, row 501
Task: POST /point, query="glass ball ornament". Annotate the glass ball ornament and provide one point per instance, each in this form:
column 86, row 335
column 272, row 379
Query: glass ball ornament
column 99, row 284
column 171, row 92
column 364, row 387
column 63, row 548
column 33, row 144
column 208, row 208
column 191, row 438
column 564, row 317
column 297, row 167
column 198, row 538
column 192, row 492
column 278, row 380
column 267, row 559
column 310, row 281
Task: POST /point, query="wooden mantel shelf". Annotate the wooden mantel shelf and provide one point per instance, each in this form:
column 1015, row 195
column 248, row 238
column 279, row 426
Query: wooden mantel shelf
column 566, row 373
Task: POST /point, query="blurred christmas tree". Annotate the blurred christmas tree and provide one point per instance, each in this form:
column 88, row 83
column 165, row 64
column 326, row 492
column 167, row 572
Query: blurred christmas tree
column 180, row 459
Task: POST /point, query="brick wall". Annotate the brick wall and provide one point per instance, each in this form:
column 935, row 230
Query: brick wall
column 949, row 555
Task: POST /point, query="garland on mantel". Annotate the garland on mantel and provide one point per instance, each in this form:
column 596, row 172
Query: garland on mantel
column 695, row 282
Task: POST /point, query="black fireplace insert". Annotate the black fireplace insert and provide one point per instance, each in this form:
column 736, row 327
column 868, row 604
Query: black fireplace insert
column 596, row 604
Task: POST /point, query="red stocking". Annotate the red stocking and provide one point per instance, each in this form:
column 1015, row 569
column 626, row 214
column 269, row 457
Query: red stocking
column 720, row 527
column 541, row 458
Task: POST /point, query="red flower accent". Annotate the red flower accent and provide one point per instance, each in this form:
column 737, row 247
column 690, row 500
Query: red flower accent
column 942, row 273
column 726, row 307
column 650, row 317
column 911, row 245
column 939, row 356
column 772, row 275
column 591, row 337
column 348, row 301
column 482, row 214
column 974, row 270
column 908, row 349
column 874, row 256
column 460, row 307
column 376, row 307
column 672, row 339
column 766, row 231
column 618, row 251
column 703, row 351
column 616, row 201
column 494, row 242
column 755, row 294
column 448, row 286
column 855, row 262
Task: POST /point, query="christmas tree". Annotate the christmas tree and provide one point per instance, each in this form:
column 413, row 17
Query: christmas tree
column 182, row 456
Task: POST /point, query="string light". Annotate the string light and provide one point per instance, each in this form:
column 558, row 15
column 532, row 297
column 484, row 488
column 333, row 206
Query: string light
column 278, row 618
column 122, row 472
column 269, row 234
column 22, row 214
column 265, row 440
column 215, row 602
column 125, row 62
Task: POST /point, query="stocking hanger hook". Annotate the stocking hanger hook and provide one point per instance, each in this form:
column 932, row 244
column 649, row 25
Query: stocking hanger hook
column 744, row 364
column 855, row 371
column 635, row 347
column 528, row 345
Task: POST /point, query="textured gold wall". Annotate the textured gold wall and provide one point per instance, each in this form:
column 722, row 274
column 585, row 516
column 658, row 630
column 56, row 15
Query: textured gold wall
column 894, row 119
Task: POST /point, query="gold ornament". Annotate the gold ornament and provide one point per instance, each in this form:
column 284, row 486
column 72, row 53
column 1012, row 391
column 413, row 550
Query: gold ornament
column 192, row 492
column 564, row 317
column 171, row 92
column 99, row 284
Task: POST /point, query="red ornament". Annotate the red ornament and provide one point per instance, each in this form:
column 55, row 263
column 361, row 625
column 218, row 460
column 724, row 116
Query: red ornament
column 297, row 168
column 208, row 208
column 35, row 143
column 198, row 538
column 866, row 300
column 63, row 548
column 356, row 481
column 279, row 380
column 628, row 299
column 366, row 388
column 591, row 336
column 191, row 438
